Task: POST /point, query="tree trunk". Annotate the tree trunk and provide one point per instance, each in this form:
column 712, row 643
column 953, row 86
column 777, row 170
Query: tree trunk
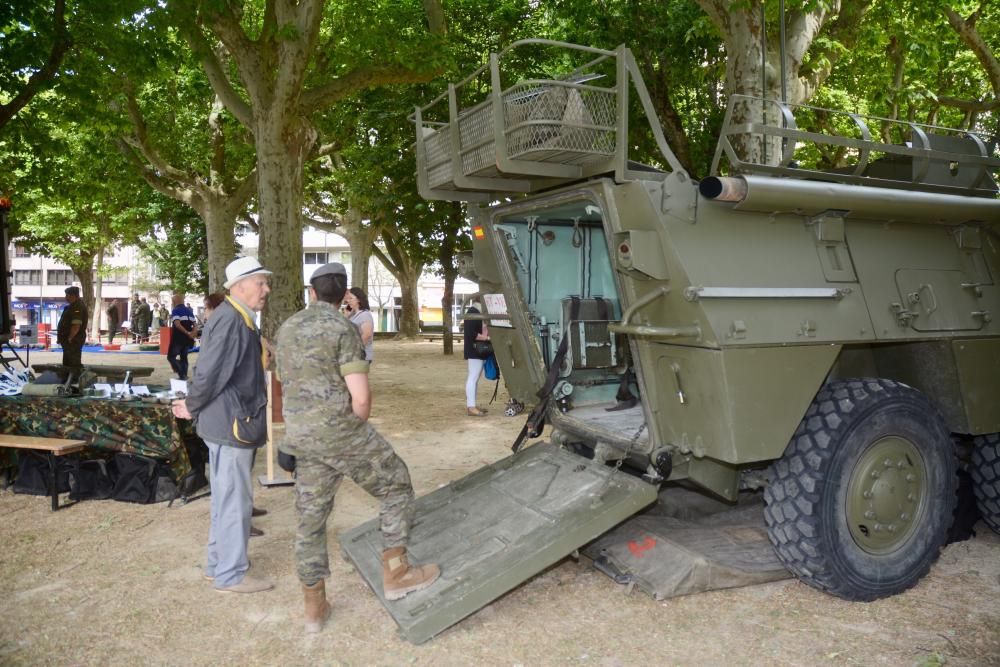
column 409, row 322
column 407, row 271
column 359, row 238
column 446, row 257
column 446, row 319
column 84, row 270
column 220, row 235
column 281, row 151
column 95, row 313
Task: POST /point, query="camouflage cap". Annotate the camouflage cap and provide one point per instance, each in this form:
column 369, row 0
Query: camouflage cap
column 333, row 268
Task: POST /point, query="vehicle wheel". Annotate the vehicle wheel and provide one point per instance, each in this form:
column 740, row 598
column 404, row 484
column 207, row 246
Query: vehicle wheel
column 985, row 472
column 861, row 502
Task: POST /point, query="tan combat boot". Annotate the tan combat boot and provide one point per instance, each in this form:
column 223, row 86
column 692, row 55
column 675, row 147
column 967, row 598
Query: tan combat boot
column 317, row 608
column 400, row 578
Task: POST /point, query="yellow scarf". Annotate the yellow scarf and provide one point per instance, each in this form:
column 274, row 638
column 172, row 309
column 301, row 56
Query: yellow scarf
column 249, row 321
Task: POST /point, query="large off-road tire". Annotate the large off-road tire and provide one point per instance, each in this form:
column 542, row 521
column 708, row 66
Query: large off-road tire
column 985, row 472
column 861, row 502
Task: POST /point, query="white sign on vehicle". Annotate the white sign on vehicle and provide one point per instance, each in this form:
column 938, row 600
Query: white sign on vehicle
column 497, row 305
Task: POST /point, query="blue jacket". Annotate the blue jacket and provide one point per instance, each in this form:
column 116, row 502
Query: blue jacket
column 227, row 395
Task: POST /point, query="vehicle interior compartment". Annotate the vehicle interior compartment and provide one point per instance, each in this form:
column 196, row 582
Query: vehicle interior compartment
column 579, row 304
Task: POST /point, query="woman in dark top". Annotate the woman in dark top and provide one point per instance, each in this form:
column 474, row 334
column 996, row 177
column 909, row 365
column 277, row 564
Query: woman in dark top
column 360, row 315
column 474, row 330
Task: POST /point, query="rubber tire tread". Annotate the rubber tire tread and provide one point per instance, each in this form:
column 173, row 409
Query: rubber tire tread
column 797, row 496
column 985, row 473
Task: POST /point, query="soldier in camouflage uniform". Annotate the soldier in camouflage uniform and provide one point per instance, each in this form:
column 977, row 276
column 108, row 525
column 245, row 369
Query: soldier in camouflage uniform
column 326, row 402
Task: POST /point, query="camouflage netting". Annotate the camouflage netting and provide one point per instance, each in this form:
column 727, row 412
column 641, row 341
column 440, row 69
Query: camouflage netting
column 149, row 429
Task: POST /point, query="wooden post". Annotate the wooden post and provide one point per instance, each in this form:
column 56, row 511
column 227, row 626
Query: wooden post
column 269, row 448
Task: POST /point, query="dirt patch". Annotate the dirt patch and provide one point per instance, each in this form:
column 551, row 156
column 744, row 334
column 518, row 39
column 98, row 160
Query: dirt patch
column 108, row 583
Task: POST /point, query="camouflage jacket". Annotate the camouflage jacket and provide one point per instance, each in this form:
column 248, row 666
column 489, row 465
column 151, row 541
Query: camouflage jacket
column 316, row 348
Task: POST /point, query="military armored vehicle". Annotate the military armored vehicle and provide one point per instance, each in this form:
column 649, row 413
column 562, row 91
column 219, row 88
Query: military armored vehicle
column 826, row 335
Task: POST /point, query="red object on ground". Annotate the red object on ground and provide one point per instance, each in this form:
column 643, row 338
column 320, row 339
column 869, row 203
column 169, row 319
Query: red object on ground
column 164, row 339
column 43, row 334
column 112, row 347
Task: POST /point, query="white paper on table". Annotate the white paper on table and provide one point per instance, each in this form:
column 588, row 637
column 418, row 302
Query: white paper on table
column 103, row 389
column 121, row 388
column 140, row 390
column 177, row 386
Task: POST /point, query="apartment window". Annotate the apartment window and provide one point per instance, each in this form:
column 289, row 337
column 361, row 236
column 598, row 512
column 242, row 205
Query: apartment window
column 317, row 257
column 21, row 251
column 31, row 277
column 119, row 278
column 60, row 277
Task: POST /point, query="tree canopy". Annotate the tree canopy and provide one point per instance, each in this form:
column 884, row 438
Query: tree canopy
column 302, row 106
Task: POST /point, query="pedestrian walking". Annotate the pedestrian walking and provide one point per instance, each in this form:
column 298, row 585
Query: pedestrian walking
column 475, row 334
column 182, row 336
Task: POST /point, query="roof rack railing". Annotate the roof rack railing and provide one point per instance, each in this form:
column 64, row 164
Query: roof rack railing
column 534, row 133
column 765, row 136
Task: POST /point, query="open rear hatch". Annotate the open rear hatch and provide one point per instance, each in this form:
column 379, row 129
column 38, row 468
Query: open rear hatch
column 496, row 528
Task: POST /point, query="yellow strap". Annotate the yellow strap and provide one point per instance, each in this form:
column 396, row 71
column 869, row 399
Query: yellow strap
column 246, row 316
column 264, row 360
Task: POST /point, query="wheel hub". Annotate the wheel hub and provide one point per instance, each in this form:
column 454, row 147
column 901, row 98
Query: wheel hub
column 886, row 495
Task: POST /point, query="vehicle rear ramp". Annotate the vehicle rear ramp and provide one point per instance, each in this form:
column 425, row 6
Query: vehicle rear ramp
column 496, row 528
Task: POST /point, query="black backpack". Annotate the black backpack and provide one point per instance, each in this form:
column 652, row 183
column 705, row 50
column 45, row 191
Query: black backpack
column 33, row 474
column 142, row 479
column 91, row 480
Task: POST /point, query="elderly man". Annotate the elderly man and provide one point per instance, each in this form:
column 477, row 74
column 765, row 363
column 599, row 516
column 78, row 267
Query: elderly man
column 228, row 398
column 71, row 332
column 326, row 400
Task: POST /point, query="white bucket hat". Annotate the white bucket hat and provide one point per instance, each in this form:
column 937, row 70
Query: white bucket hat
column 242, row 267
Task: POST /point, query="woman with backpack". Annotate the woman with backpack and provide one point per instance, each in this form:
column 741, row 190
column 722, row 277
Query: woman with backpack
column 477, row 350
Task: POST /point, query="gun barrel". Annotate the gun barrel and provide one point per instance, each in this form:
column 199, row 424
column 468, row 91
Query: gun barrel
column 785, row 195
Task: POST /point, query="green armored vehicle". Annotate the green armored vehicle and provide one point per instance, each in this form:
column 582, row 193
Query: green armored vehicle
column 827, row 336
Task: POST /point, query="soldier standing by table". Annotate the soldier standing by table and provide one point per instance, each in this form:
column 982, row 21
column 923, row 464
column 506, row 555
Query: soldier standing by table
column 113, row 321
column 141, row 320
column 71, row 332
column 326, row 402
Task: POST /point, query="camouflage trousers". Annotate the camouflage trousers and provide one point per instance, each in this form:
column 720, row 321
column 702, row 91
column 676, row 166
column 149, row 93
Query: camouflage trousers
column 369, row 461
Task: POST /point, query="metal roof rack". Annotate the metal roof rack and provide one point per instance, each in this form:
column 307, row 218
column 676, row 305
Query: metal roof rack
column 535, row 133
column 762, row 136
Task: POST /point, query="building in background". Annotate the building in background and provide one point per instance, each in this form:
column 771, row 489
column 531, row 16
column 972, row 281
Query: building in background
column 38, row 284
column 384, row 294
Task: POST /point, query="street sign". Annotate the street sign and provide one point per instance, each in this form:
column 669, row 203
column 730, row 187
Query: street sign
column 28, row 334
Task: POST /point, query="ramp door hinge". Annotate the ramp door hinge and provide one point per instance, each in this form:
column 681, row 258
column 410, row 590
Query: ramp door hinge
column 903, row 315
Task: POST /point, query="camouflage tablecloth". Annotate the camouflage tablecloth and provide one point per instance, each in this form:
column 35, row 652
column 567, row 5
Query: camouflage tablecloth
column 149, row 429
